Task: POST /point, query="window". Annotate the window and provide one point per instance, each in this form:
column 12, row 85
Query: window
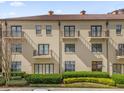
column 69, row 65
column 96, row 30
column 96, row 47
column 117, row 68
column 118, row 29
column 69, row 47
column 96, row 65
column 121, row 49
column 48, row 29
column 16, row 31
column 43, row 68
column 38, row 29
column 43, row 49
column 16, row 48
column 16, row 66
column 69, row 31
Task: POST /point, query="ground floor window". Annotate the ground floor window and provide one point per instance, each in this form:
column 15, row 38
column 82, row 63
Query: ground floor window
column 117, row 68
column 16, row 66
column 43, row 68
column 96, row 65
column 69, row 65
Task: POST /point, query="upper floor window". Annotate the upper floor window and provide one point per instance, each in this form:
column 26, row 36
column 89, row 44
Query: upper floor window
column 69, row 65
column 43, row 49
column 96, row 65
column 118, row 29
column 48, row 29
column 16, row 48
column 69, row 31
column 69, row 47
column 38, row 29
column 96, row 47
column 16, row 31
column 16, row 66
column 96, row 30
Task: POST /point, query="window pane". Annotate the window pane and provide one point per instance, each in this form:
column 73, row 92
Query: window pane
column 36, row 68
column 16, row 31
column 48, row 29
column 47, row 69
column 38, row 29
column 69, row 47
column 46, row 49
column 69, row 65
column 96, row 47
column 16, row 66
column 96, row 65
column 118, row 29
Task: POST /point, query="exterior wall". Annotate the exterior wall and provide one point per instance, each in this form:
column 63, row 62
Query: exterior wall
column 83, row 56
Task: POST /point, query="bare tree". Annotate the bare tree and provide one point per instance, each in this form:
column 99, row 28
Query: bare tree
column 6, row 56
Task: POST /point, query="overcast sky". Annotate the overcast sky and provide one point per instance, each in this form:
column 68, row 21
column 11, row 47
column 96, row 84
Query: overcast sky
column 29, row 8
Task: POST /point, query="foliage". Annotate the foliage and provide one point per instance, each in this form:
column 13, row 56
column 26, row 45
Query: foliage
column 118, row 78
column 105, row 81
column 85, row 74
column 44, row 79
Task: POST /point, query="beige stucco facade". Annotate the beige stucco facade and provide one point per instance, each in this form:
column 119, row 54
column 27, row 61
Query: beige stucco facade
column 83, row 56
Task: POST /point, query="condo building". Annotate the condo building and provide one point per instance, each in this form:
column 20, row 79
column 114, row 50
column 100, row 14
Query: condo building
column 68, row 42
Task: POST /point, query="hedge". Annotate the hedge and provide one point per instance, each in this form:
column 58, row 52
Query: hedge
column 85, row 74
column 22, row 74
column 118, row 78
column 43, row 79
column 17, row 83
column 105, row 81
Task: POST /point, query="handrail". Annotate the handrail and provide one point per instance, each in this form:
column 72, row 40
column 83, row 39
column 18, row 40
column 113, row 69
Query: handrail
column 75, row 34
column 10, row 34
column 28, row 38
column 36, row 53
column 99, row 34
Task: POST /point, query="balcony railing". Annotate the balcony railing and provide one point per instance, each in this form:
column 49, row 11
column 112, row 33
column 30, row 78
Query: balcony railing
column 119, row 53
column 75, row 34
column 10, row 34
column 36, row 54
column 99, row 34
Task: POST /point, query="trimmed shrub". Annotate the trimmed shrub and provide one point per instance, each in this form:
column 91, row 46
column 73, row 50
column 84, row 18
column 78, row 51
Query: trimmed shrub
column 2, row 81
column 17, row 83
column 22, row 74
column 120, row 85
column 16, row 78
column 118, row 78
column 44, row 79
column 85, row 74
column 105, row 81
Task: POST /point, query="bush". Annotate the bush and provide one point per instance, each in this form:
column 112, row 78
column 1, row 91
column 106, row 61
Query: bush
column 17, row 83
column 85, row 74
column 120, row 85
column 16, row 78
column 2, row 81
column 44, row 79
column 22, row 74
column 105, row 81
column 118, row 78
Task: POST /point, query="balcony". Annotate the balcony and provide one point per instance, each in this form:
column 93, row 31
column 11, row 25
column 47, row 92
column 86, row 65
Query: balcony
column 36, row 55
column 10, row 36
column 71, row 36
column 103, row 35
column 120, row 54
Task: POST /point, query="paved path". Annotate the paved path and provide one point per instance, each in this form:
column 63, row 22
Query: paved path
column 59, row 89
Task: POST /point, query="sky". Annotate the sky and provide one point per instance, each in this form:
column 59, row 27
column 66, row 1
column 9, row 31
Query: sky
column 31, row 8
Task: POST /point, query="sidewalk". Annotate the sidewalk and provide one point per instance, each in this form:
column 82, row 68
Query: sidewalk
column 59, row 89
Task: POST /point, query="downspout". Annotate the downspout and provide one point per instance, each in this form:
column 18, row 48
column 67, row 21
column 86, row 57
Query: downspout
column 60, row 48
column 107, row 46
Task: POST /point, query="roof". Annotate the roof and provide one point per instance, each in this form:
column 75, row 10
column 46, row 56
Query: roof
column 70, row 17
